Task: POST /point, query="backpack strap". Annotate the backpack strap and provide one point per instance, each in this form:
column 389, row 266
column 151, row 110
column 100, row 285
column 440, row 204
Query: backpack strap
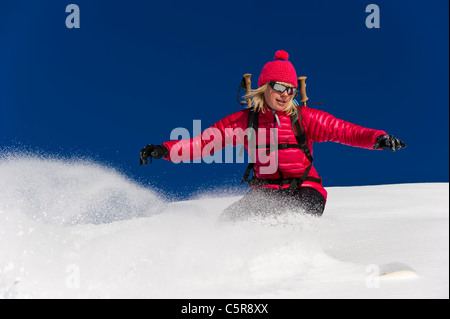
column 300, row 136
column 253, row 123
column 297, row 126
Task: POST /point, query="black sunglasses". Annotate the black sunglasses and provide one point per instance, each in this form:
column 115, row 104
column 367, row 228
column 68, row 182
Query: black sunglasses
column 281, row 88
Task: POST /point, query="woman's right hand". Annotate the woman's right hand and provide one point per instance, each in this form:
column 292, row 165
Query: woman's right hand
column 152, row 151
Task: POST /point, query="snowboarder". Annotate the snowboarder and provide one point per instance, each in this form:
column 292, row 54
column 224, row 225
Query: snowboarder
column 294, row 185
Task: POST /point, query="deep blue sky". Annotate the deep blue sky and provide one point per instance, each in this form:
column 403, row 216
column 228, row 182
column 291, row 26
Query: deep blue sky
column 137, row 69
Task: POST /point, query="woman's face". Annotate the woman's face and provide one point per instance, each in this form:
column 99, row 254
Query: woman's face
column 276, row 100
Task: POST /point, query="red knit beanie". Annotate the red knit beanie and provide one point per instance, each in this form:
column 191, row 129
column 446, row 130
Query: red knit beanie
column 280, row 70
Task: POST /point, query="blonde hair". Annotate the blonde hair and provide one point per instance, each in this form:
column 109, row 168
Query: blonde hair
column 259, row 104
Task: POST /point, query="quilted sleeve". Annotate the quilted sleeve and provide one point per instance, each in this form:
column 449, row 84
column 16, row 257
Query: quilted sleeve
column 323, row 127
column 227, row 131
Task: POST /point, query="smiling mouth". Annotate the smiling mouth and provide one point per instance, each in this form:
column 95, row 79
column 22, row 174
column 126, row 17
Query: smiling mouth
column 281, row 101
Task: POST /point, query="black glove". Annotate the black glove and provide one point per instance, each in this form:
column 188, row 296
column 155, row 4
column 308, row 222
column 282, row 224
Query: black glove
column 153, row 151
column 389, row 141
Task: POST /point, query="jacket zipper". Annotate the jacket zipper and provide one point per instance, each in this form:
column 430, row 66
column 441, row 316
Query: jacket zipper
column 276, row 120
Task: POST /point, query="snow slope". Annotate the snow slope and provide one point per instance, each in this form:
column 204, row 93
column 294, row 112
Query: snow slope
column 75, row 229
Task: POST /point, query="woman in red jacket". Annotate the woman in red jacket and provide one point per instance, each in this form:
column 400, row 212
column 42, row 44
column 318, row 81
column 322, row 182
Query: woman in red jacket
column 284, row 178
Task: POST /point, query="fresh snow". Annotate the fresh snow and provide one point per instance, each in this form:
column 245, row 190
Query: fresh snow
column 76, row 229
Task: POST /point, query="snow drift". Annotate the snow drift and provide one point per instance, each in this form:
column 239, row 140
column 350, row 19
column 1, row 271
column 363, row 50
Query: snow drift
column 81, row 230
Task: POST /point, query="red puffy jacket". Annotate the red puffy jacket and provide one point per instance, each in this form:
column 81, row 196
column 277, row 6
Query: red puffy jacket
column 319, row 126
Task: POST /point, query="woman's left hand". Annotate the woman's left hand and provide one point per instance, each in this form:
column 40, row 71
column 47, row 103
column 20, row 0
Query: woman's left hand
column 389, row 141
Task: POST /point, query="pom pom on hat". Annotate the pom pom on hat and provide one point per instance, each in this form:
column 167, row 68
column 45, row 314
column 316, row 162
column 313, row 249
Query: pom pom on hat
column 281, row 55
column 279, row 70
